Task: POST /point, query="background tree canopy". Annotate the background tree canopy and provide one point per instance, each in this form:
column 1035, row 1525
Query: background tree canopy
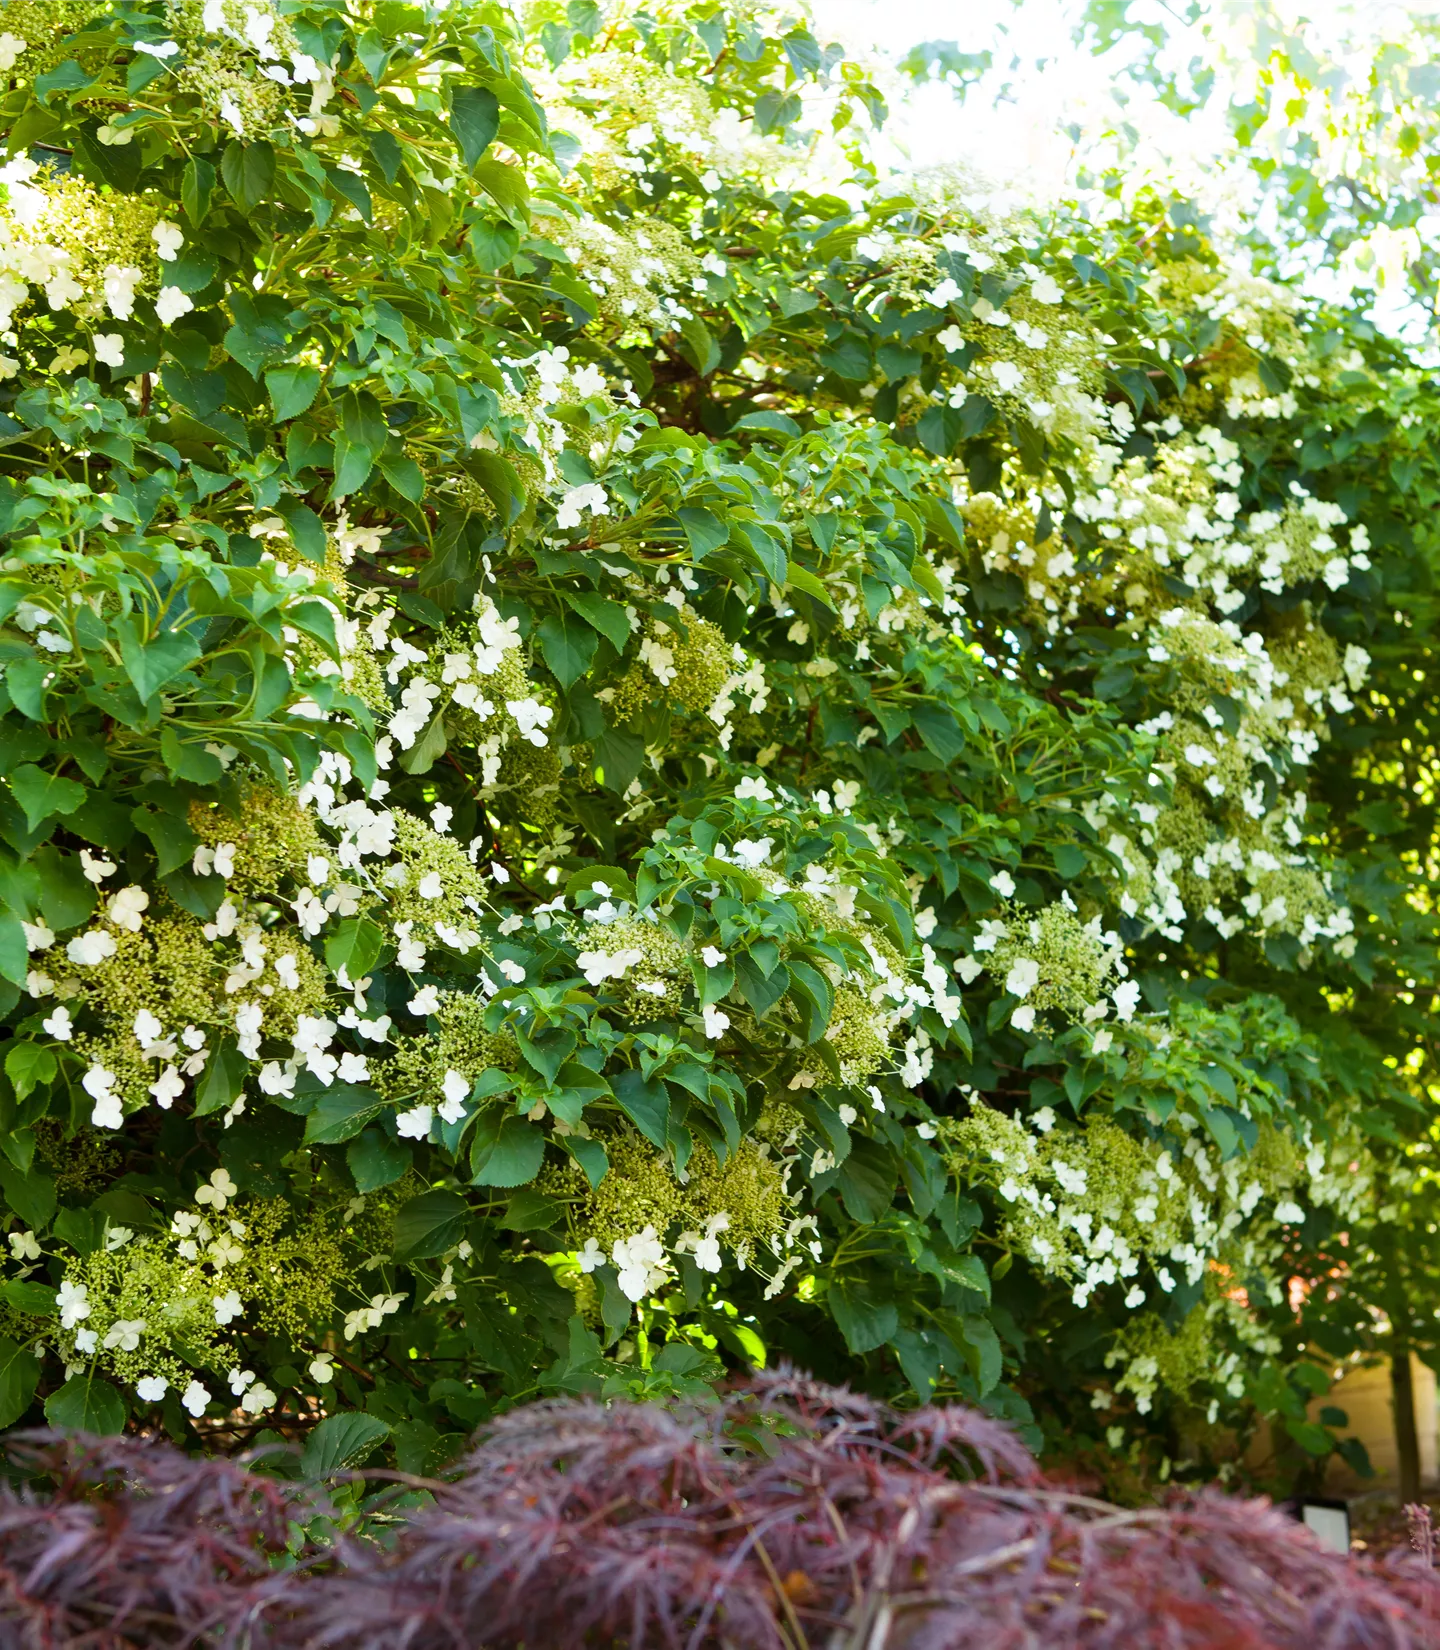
column 633, row 747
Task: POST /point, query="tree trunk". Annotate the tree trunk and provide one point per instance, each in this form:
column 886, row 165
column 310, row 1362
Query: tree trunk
column 1407, row 1438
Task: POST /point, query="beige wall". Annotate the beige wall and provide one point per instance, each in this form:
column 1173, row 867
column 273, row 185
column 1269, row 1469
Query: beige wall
column 1364, row 1395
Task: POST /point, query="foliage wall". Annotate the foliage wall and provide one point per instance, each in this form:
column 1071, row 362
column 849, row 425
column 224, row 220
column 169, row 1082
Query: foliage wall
column 630, row 747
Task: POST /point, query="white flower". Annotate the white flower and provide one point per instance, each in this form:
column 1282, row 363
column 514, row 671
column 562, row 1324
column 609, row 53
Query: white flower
column 354, row 1068
column 218, row 1192
column 171, row 305
column 1023, row 977
column 1045, row 290
column 194, row 1398
column 257, row 1398
column 511, row 970
column 152, row 1389
column 227, row 1306
column 640, row 1262
column 95, row 866
column 716, row 1023
column 414, row 1124
column 590, row 496
column 91, row 948
column 11, row 46
column 1003, row 884
column 99, row 1084
column 1127, row 999
column 58, row 1025
column 754, row 788
column 322, row 1368
column 751, row 855
column 531, row 717
column 711, row 957
column 72, row 1304
column 167, row 1088
column 109, row 348
column 440, row 816
column 968, row 968
column 275, row 1079
column 1023, row 1019
column 124, row 1334
column 1101, row 1040
column 125, row 907
column 1290, row 1213
column 591, row 1256
column 119, row 289
column 1007, row 376
column 425, row 1001
column 431, row 887
column 168, row 240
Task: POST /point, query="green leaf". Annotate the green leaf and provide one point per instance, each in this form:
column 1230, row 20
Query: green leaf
column 704, row 529
column 222, row 1080
column 30, row 1195
column 605, row 616
column 505, row 1151
column 150, row 665
column 773, row 422
column 29, row 1066
column 474, row 120
column 248, row 170
column 568, row 646
column 430, row 1224
column 531, row 1211
column 42, row 795
column 292, row 390
column 14, row 954
column 864, row 1321
column 35, row 1300
column 645, row 1103
column 866, row 1180
column 87, row 1404
column 19, row 1376
column 375, row 1160
column 197, row 184
column 354, row 946
column 505, row 185
column 340, row 1114
column 342, row 1443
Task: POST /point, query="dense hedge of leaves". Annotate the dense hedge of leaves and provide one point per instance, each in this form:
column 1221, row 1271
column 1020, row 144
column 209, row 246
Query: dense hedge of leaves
column 791, row 1515
column 630, row 746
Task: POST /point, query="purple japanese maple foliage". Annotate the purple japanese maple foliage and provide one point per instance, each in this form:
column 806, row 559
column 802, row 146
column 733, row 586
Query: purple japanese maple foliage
column 791, row 1516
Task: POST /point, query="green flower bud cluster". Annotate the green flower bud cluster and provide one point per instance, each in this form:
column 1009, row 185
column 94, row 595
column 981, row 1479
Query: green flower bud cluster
column 630, row 267
column 273, row 836
column 430, row 880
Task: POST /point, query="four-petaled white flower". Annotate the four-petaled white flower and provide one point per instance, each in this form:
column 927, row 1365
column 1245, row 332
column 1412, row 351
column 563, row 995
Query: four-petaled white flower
column 218, row 1192
column 171, row 305
column 73, row 1304
column 716, row 1023
column 194, row 1398
column 125, row 908
column 58, row 1025
column 227, row 1306
column 168, row 239
column 151, row 1389
column 109, row 349
column 415, row 1123
column 590, row 496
